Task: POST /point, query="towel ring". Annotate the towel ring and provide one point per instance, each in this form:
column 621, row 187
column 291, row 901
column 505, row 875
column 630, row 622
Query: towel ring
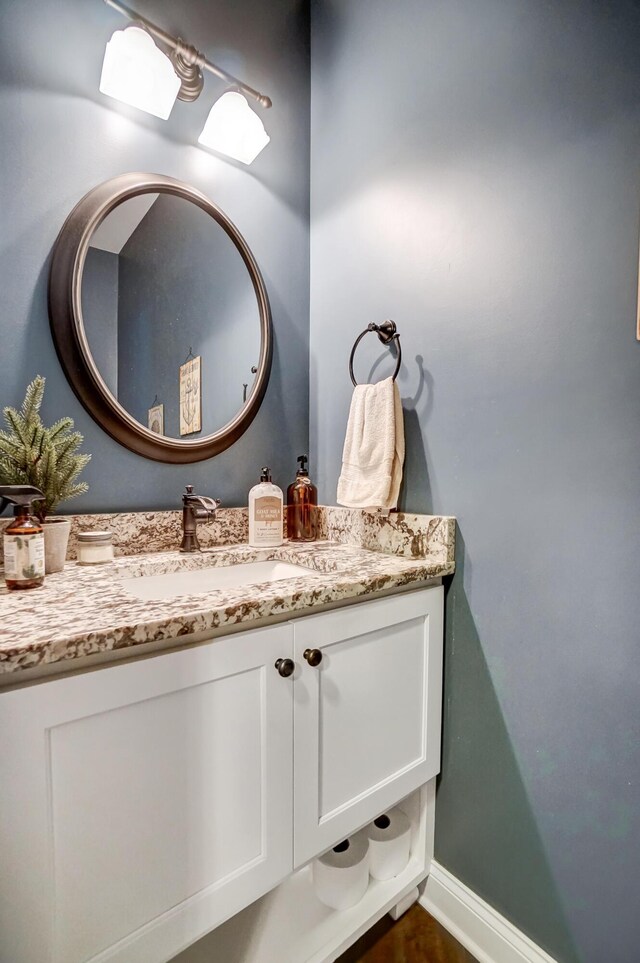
column 386, row 333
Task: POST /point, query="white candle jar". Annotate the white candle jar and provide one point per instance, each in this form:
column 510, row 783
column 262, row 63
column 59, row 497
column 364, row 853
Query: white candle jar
column 95, row 548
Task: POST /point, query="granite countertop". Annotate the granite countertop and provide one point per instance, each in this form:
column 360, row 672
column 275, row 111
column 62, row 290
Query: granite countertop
column 85, row 611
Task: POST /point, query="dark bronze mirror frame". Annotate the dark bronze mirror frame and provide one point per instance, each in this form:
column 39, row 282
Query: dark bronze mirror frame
column 70, row 339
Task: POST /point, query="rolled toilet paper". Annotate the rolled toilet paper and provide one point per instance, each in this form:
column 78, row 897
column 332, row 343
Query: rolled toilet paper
column 389, row 844
column 341, row 876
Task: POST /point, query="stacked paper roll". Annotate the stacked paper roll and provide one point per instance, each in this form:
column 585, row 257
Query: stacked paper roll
column 341, row 876
column 389, row 844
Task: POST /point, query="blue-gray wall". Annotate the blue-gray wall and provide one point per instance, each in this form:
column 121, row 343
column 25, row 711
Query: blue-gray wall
column 475, row 177
column 100, row 312
column 60, row 137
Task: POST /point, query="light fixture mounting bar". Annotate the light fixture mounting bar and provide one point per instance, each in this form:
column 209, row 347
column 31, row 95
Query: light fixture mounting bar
column 186, row 54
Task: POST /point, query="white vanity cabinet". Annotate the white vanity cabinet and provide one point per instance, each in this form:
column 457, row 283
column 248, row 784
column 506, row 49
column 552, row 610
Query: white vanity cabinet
column 145, row 803
column 367, row 716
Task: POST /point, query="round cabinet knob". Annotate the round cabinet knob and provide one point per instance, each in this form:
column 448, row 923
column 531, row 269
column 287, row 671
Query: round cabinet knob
column 285, row 667
column 313, row 656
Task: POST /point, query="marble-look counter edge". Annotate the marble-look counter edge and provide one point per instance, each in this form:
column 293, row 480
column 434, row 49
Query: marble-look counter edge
column 84, row 612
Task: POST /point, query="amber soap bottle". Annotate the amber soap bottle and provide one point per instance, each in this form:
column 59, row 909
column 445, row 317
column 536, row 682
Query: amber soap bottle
column 302, row 505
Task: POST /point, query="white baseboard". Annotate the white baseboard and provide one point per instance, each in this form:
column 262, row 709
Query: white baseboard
column 484, row 932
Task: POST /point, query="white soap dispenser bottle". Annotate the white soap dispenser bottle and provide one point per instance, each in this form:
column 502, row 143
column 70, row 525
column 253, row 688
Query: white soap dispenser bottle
column 265, row 513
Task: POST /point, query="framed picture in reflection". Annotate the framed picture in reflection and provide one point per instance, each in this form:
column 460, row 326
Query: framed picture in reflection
column 190, row 397
column 155, row 419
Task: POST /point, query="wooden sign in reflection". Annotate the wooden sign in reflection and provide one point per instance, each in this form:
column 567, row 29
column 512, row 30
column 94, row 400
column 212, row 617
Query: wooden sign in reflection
column 155, row 419
column 190, row 397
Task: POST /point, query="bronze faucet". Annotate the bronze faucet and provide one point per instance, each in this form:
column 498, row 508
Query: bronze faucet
column 194, row 509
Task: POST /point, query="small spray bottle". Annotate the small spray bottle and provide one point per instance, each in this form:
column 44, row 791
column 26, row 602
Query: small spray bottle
column 23, row 540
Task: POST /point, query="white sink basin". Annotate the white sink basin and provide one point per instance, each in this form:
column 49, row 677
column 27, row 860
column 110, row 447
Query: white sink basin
column 173, row 584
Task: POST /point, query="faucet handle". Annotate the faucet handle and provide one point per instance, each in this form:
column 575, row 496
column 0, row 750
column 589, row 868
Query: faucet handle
column 210, row 504
column 207, row 504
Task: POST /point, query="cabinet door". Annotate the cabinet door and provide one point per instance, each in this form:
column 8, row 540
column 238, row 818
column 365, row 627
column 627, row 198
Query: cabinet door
column 145, row 803
column 367, row 718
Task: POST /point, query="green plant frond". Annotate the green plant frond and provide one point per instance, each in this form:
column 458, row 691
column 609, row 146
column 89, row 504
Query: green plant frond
column 11, row 449
column 31, row 454
column 68, row 435
column 37, row 437
column 33, row 398
column 76, row 490
column 11, row 475
column 66, row 475
column 81, row 462
column 16, row 478
column 59, row 428
column 66, row 445
column 16, row 424
column 48, row 467
column 5, row 437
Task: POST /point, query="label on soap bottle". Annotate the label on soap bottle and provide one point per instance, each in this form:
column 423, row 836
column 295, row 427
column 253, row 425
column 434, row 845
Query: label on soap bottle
column 268, row 519
column 24, row 557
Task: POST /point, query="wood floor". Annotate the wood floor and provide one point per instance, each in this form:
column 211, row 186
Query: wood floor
column 415, row 938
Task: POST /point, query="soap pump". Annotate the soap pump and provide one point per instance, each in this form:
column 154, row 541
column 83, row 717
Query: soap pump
column 23, row 540
column 265, row 513
column 302, row 505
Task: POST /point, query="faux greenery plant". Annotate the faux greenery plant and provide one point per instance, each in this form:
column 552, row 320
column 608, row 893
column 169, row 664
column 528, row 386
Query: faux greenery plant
column 48, row 458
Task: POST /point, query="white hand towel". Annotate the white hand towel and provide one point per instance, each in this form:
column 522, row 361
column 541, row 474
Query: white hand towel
column 373, row 452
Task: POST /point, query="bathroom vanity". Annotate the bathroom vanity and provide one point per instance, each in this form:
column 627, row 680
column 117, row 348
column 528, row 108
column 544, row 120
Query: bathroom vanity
column 183, row 734
column 242, row 732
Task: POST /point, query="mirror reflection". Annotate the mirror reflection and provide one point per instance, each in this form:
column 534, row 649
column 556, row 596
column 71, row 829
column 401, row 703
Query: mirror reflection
column 171, row 316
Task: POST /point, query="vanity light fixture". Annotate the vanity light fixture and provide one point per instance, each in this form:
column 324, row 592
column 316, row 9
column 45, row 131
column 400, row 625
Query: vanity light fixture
column 137, row 71
column 234, row 129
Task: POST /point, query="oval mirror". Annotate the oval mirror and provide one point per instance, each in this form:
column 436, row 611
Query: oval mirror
column 160, row 317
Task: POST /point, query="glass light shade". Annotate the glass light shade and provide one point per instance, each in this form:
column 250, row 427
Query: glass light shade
column 137, row 72
column 232, row 128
